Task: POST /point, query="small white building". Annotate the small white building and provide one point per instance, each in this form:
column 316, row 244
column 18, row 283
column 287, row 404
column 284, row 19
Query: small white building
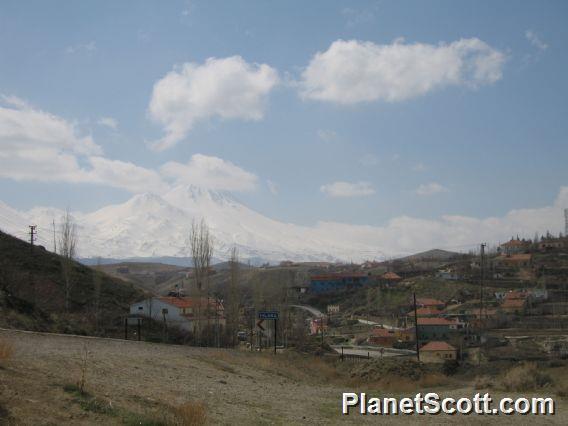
column 186, row 313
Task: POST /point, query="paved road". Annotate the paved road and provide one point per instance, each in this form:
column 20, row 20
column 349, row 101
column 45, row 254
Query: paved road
column 372, row 352
column 388, row 327
column 314, row 311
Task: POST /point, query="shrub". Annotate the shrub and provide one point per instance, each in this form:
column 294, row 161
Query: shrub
column 6, row 351
column 192, row 413
column 525, row 377
column 450, row 367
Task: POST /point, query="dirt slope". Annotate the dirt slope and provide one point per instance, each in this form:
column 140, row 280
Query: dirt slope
column 140, row 383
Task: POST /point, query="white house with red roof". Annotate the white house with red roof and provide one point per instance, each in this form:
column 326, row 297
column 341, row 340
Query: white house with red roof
column 186, row 313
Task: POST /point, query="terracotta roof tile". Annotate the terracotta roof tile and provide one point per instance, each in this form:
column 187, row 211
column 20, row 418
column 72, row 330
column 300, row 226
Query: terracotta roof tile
column 437, row 346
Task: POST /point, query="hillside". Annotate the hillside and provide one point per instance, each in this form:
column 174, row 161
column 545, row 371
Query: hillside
column 430, row 255
column 32, row 293
column 139, row 383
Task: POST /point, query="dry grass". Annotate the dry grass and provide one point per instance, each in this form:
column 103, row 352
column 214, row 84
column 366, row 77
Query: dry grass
column 6, row 351
column 483, row 382
column 398, row 384
column 192, row 413
column 525, row 377
column 298, row 367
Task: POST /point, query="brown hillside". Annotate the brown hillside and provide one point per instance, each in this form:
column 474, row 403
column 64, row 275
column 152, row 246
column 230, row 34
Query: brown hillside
column 32, row 294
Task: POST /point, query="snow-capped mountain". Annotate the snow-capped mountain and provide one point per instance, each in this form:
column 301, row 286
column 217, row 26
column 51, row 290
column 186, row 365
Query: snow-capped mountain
column 148, row 225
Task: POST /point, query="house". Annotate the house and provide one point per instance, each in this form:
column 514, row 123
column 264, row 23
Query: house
column 514, row 246
column 550, row 243
column 186, row 313
column 332, row 309
column 429, row 303
column 438, row 328
column 390, row 278
column 514, row 306
column 448, row 275
column 438, row 352
column 318, row 325
column 327, row 283
column 388, row 337
column 382, row 337
column 515, row 260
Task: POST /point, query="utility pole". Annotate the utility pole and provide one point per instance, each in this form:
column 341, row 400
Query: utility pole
column 416, row 328
column 33, row 235
column 481, row 278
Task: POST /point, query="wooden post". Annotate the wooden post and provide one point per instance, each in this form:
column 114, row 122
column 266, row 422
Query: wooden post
column 125, row 328
column 275, row 331
column 416, row 328
column 139, row 320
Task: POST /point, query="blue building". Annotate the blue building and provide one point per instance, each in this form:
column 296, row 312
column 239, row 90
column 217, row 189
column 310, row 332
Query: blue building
column 328, row 283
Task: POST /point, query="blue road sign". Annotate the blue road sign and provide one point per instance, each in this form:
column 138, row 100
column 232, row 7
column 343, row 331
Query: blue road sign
column 268, row 315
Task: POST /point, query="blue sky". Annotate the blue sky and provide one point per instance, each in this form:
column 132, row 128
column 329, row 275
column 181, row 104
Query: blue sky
column 469, row 146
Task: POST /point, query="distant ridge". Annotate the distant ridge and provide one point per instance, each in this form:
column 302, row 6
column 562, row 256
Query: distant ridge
column 434, row 254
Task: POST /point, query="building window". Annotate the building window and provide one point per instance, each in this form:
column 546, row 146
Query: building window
column 140, row 308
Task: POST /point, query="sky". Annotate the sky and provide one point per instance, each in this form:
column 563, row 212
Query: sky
column 352, row 112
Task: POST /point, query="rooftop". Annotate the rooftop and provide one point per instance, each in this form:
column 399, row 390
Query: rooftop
column 437, row 346
column 391, row 276
column 435, row 321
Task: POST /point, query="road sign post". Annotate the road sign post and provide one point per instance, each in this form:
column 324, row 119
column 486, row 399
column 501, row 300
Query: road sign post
column 268, row 315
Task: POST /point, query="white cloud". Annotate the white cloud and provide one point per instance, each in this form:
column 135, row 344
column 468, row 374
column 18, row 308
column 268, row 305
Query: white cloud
column 327, row 135
column 406, row 235
column 227, row 88
column 211, row 173
column 535, row 40
column 430, row 189
column 37, row 145
column 272, row 187
column 350, row 72
column 355, row 17
column 347, row 189
column 109, row 122
column 125, row 175
column 85, row 47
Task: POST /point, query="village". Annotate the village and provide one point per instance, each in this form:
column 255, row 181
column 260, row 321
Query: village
column 510, row 302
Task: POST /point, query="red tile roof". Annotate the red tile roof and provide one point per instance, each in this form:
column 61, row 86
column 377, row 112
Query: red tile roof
column 435, row 321
column 513, row 303
column 382, row 332
column 514, row 243
column 186, row 302
column 437, row 346
column 511, row 295
column 391, row 276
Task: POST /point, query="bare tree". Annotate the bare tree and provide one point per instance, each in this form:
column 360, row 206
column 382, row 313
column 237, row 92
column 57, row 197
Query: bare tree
column 67, row 250
column 97, row 278
column 233, row 297
column 201, row 247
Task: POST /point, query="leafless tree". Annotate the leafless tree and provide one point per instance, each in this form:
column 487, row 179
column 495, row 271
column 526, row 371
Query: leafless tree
column 201, row 247
column 97, row 283
column 233, row 297
column 67, row 250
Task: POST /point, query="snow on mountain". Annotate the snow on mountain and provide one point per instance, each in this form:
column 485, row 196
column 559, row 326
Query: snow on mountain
column 148, row 225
